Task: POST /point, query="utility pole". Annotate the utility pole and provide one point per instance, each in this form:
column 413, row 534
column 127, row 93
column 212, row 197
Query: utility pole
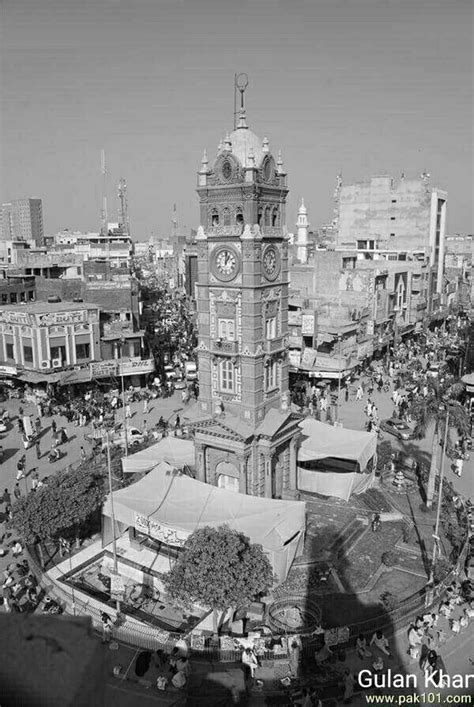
column 125, row 424
column 338, row 377
column 440, row 499
column 104, row 216
column 114, row 543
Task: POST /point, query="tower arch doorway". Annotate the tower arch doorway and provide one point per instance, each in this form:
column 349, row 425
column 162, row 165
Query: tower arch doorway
column 227, row 476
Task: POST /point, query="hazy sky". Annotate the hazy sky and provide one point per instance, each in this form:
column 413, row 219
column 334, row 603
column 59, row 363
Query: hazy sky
column 358, row 86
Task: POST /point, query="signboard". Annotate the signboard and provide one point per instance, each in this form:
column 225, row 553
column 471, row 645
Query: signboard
column 14, row 317
column 307, row 324
column 308, row 357
column 294, row 358
column 103, row 369
column 62, row 318
column 162, row 533
column 117, row 587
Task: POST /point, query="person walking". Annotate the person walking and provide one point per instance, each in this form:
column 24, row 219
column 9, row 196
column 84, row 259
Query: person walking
column 83, row 454
column 106, row 627
column 6, row 498
column 53, row 426
column 17, row 491
column 359, row 393
column 38, row 449
column 38, row 425
column 145, row 406
column 128, row 411
column 20, row 467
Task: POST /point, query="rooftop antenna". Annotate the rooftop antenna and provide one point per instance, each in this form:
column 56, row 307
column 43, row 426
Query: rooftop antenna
column 241, row 81
column 123, row 206
column 104, row 216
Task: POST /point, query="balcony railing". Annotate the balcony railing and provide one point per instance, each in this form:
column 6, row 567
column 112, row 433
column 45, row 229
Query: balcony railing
column 273, row 345
column 221, row 346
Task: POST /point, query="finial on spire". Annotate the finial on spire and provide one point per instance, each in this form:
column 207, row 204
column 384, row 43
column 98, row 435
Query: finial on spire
column 241, row 81
column 204, row 161
column 280, row 163
column 242, row 123
column 220, row 146
column 265, row 145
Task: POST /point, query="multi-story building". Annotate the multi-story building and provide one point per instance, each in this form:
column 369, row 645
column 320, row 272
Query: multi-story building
column 384, row 214
column 64, row 342
column 22, row 220
column 114, row 247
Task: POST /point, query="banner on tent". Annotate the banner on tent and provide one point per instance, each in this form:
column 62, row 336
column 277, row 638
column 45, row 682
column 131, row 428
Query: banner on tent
column 162, row 533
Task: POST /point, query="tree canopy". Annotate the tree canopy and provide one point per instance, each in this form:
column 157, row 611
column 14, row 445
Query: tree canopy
column 63, row 507
column 219, row 568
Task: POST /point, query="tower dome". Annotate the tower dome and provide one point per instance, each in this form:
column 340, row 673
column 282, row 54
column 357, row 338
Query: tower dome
column 244, row 143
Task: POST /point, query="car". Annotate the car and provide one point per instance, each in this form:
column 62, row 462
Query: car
column 398, row 428
column 180, row 384
column 134, row 436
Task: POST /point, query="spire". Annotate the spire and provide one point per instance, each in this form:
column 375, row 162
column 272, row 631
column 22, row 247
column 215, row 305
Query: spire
column 204, row 162
column 280, row 163
column 265, row 145
column 220, row 146
column 227, row 143
column 302, row 210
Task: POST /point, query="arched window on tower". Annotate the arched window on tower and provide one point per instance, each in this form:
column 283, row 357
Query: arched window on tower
column 239, row 217
column 267, row 216
column 260, row 217
column 226, row 376
column 275, row 217
column 226, row 216
column 214, row 217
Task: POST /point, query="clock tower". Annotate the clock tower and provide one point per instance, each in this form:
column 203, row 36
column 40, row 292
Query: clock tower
column 246, row 438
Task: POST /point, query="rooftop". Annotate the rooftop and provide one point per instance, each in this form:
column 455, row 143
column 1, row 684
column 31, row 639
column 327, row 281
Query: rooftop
column 47, row 307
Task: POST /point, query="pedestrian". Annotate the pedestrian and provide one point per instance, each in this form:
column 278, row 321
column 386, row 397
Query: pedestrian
column 17, row 491
column 361, row 647
column 6, row 498
column 83, row 454
column 380, row 642
column 178, row 421
column 53, row 426
column 359, row 393
column 38, row 449
column 128, row 411
column 415, row 637
column 20, row 466
column 249, row 659
column 106, row 627
column 348, row 685
column 35, row 482
column 145, row 429
column 40, row 409
column 295, row 659
column 38, row 425
column 346, row 394
column 145, row 406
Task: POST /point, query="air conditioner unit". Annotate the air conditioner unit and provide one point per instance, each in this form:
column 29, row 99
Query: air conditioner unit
column 45, row 364
column 56, row 363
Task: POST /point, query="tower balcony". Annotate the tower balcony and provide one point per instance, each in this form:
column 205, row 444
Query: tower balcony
column 229, row 231
column 221, row 346
column 273, row 345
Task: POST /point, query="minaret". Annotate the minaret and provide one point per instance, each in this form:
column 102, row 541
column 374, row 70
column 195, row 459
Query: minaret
column 302, row 226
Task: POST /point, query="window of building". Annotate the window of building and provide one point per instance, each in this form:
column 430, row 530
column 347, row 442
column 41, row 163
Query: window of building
column 275, row 217
column 9, row 351
column 270, row 328
column 214, row 217
column 392, row 235
column 267, row 216
column 226, row 216
column 239, row 217
column 392, row 218
column 372, row 245
column 13, row 297
column 82, row 351
column 348, row 263
column 31, row 295
column 28, row 354
column 227, row 376
column 260, row 217
column 4, row 298
column 394, row 201
column 361, row 245
column 227, row 329
column 271, row 376
column 22, row 296
column 134, row 349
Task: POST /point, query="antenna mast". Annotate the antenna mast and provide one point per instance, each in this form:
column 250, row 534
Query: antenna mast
column 123, row 206
column 104, row 217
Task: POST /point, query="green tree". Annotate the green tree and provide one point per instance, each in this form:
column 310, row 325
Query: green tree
column 443, row 397
column 219, row 568
column 64, row 507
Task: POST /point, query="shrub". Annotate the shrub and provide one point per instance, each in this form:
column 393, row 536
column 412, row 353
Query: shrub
column 389, row 558
column 389, row 601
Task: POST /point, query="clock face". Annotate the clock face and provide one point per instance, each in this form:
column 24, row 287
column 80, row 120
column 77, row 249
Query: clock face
column 271, row 262
column 226, row 263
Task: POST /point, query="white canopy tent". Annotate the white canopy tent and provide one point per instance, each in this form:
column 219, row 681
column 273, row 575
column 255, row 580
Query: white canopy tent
column 174, row 450
column 321, row 441
column 169, row 506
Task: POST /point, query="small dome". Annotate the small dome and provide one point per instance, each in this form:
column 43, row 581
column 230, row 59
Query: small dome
column 244, row 142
